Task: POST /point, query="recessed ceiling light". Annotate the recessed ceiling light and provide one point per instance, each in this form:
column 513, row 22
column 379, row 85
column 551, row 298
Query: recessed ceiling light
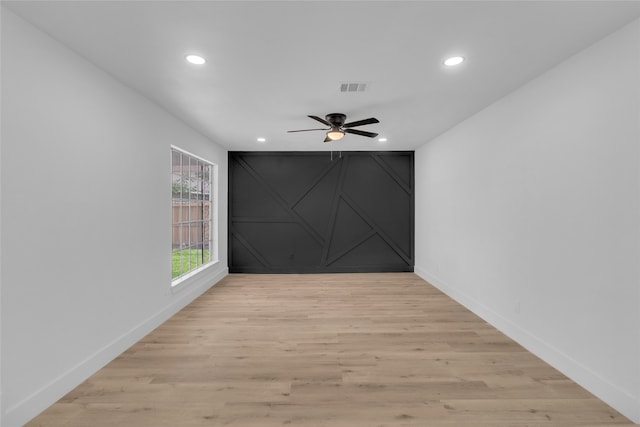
column 454, row 60
column 382, row 139
column 262, row 139
column 195, row 59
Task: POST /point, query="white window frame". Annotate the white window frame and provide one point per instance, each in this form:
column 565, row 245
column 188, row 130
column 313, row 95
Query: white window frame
column 213, row 217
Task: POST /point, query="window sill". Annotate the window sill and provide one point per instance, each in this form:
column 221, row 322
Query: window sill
column 180, row 281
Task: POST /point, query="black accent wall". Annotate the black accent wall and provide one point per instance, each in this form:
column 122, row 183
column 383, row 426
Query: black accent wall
column 304, row 212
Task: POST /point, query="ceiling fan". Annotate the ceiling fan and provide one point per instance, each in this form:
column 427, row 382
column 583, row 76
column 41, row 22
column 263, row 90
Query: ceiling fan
column 338, row 127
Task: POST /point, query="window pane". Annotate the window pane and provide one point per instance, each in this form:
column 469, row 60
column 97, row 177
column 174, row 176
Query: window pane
column 175, row 212
column 197, row 179
column 175, row 238
column 184, row 256
column 176, row 188
column 199, row 257
column 175, row 263
column 176, row 161
column 186, row 177
column 196, row 235
column 206, row 182
column 183, row 208
column 206, row 232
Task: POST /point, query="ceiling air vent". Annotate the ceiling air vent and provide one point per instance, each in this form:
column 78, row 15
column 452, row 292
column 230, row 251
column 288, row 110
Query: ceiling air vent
column 353, row 87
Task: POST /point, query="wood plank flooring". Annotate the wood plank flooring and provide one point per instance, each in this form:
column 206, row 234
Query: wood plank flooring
column 327, row 350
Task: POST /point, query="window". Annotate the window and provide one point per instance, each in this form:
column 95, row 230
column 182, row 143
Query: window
column 193, row 207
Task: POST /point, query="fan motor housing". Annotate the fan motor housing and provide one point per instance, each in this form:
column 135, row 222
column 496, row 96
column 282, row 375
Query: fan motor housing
column 336, row 119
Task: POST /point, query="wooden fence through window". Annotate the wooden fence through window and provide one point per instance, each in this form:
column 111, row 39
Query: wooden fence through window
column 187, row 224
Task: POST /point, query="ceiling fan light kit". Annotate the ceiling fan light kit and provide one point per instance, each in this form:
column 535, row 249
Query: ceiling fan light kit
column 338, row 127
column 334, row 135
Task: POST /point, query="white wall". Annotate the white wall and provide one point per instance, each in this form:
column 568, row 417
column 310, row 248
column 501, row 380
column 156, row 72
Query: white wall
column 528, row 213
column 86, row 215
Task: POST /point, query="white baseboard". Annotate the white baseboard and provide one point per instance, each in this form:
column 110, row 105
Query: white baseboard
column 620, row 400
column 28, row 408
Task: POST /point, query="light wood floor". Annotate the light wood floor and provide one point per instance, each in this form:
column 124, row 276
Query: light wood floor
column 327, row 350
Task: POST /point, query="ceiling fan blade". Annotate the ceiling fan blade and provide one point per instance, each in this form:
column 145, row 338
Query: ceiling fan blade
column 361, row 133
column 368, row 121
column 323, row 121
column 327, row 139
column 304, row 130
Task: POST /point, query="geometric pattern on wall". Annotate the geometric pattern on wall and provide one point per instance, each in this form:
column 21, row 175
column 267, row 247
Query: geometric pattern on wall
column 304, row 212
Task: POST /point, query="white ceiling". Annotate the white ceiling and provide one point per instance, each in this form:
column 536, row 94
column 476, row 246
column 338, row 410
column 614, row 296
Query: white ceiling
column 272, row 63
